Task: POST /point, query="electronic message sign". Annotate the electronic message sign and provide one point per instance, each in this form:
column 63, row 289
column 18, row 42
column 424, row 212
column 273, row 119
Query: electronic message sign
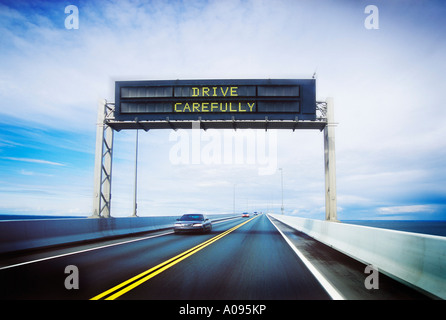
column 216, row 100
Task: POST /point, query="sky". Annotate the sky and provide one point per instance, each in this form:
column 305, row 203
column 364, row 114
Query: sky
column 386, row 76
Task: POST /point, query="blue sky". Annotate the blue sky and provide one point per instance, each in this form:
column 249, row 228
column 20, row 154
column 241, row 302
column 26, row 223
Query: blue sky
column 387, row 85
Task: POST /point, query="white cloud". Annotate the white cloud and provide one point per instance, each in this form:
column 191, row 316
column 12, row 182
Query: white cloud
column 387, row 86
column 39, row 161
column 404, row 210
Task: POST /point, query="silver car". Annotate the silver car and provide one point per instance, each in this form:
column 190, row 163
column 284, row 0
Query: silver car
column 193, row 223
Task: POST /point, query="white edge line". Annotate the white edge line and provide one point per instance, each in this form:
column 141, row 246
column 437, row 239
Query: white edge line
column 90, row 249
column 335, row 295
column 81, row 251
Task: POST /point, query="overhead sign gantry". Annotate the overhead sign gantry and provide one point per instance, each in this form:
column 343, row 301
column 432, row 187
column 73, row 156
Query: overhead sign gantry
column 217, row 104
column 213, row 104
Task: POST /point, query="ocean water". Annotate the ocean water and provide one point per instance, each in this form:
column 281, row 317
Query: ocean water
column 432, row 227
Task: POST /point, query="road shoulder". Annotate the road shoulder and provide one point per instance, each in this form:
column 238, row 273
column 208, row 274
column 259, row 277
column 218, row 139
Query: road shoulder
column 346, row 274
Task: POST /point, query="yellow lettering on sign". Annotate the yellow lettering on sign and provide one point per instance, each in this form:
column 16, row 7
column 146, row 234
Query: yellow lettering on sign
column 186, row 106
column 230, row 106
column 224, row 92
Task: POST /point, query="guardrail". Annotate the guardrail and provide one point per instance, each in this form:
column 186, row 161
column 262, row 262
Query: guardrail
column 415, row 259
column 18, row 235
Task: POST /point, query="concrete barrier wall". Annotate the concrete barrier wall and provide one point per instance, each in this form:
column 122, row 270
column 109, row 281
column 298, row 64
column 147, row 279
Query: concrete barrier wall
column 415, row 259
column 31, row 234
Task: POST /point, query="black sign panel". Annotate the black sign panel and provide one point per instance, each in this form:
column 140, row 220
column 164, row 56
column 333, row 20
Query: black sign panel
column 213, row 100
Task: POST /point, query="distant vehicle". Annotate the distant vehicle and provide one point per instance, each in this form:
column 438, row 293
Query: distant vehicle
column 193, row 223
column 256, row 213
column 245, row 215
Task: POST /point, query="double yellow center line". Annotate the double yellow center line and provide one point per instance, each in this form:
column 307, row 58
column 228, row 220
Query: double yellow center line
column 132, row 283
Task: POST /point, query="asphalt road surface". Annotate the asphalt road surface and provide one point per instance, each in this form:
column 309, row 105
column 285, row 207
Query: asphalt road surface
column 241, row 259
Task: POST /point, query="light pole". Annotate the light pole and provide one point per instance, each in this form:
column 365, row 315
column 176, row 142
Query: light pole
column 281, row 174
column 233, row 200
column 135, row 195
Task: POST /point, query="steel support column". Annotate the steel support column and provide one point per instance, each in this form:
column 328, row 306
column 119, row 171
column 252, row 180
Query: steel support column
column 330, row 164
column 103, row 163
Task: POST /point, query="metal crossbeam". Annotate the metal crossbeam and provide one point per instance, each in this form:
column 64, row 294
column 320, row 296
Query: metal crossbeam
column 266, row 124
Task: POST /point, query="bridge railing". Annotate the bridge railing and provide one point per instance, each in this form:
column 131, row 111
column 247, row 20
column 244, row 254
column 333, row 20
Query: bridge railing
column 16, row 235
column 417, row 260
